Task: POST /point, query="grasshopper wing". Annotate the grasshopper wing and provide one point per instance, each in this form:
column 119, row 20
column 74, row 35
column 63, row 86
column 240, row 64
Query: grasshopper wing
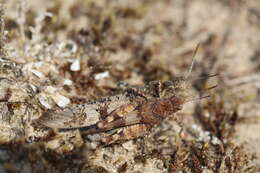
column 75, row 117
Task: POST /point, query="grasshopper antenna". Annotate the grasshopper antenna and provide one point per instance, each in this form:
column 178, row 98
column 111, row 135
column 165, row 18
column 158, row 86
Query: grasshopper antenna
column 193, row 61
column 203, row 97
column 198, row 98
column 207, row 76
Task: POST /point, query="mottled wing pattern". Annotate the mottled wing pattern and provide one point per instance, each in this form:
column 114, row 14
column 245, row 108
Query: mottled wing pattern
column 82, row 115
column 74, row 117
column 55, row 119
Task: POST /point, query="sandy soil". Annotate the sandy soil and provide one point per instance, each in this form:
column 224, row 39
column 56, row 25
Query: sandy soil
column 56, row 54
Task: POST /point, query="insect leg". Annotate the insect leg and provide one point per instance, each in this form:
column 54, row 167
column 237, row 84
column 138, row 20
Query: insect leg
column 127, row 133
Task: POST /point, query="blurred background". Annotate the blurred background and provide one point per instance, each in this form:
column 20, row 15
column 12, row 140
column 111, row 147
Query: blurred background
column 96, row 44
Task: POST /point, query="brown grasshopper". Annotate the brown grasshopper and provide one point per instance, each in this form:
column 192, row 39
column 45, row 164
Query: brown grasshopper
column 126, row 116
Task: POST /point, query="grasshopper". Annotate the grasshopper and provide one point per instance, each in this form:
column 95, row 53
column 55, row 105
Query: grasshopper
column 126, row 116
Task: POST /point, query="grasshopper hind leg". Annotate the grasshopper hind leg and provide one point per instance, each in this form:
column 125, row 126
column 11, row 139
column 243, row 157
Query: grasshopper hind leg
column 127, row 133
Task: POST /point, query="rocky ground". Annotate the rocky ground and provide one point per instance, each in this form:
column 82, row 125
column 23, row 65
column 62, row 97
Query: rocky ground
column 57, row 54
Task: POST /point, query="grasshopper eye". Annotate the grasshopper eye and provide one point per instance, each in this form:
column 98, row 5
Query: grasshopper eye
column 173, row 88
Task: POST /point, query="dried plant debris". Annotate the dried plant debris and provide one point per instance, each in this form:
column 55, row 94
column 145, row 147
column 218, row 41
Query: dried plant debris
column 93, row 86
column 199, row 157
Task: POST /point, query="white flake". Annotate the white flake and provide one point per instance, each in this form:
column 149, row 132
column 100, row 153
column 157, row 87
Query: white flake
column 75, row 66
column 37, row 73
column 67, row 82
column 101, row 75
column 61, row 100
column 44, row 101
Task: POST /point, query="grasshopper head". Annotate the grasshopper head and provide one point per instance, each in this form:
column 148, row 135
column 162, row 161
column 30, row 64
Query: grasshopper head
column 177, row 87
